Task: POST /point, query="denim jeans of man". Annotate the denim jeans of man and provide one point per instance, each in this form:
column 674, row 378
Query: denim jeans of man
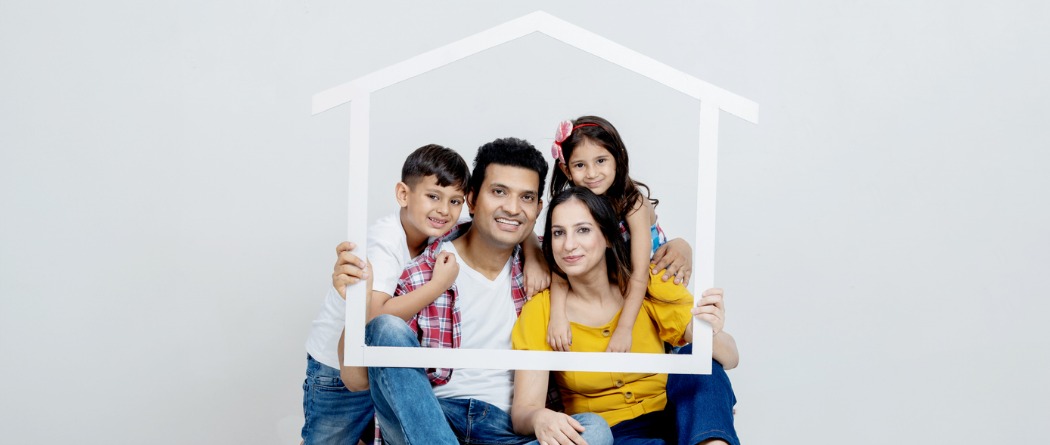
column 699, row 407
column 409, row 413
column 334, row 414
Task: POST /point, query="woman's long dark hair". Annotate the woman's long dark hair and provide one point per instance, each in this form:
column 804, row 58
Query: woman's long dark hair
column 624, row 191
column 617, row 256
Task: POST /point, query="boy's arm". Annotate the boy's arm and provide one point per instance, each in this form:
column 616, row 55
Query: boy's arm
column 408, row 305
column 639, row 221
column 355, row 378
column 559, row 333
column 537, row 274
column 349, row 268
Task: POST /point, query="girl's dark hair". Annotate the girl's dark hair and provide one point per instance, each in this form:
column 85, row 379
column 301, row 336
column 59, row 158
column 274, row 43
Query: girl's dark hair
column 617, row 256
column 624, row 191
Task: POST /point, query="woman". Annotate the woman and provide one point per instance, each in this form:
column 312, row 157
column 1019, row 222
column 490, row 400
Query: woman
column 582, row 243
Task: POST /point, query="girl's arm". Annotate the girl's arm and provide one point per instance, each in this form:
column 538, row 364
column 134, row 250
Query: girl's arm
column 408, row 305
column 559, row 333
column 639, row 221
column 537, row 274
column 710, row 309
column 530, row 416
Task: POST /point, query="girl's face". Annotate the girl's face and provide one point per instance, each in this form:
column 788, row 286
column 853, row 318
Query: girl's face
column 576, row 240
column 591, row 166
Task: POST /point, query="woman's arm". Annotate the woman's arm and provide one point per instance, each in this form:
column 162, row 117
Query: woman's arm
column 711, row 309
column 530, row 415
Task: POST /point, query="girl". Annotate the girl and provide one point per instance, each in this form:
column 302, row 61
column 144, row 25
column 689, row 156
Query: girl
column 588, row 152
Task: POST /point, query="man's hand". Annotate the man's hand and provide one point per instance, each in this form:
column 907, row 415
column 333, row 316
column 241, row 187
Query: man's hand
column 445, row 270
column 677, row 257
column 557, row 428
column 349, row 269
column 711, row 309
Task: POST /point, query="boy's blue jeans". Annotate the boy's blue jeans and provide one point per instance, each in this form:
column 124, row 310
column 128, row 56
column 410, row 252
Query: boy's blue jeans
column 409, row 413
column 699, row 407
column 334, row 414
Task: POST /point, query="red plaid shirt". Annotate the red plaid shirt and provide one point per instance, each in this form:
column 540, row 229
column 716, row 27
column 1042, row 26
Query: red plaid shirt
column 438, row 323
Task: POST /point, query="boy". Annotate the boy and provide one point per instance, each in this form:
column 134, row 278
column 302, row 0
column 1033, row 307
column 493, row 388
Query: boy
column 431, row 196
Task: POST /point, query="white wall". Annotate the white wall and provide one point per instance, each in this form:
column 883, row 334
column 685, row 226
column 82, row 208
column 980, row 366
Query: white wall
column 168, row 206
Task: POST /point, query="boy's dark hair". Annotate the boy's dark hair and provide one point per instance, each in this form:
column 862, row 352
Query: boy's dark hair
column 447, row 166
column 511, row 152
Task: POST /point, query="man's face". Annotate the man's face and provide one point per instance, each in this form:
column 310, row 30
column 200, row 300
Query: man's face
column 507, row 204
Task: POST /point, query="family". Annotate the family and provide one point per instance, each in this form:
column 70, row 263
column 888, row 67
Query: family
column 603, row 278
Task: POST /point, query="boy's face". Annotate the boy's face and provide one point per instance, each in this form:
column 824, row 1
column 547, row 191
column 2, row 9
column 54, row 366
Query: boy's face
column 507, row 204
column 432, row 209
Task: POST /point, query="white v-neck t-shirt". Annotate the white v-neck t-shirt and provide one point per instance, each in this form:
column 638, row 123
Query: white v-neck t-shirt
column 487, row 318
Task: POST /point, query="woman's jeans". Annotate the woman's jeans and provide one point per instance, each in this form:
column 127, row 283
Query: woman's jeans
column 699, row 407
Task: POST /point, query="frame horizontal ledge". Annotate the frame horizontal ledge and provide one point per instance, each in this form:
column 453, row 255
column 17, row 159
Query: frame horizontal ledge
column 533, row 360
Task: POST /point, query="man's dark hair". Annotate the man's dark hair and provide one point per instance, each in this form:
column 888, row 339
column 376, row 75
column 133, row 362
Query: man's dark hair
column 447, row 166
column 512, row 152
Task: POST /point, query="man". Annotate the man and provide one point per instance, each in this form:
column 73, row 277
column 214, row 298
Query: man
column 478, row 311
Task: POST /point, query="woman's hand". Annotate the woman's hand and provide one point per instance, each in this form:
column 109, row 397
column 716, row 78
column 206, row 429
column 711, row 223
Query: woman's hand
column 711, row 308
column 349, row 269
column 553, row 428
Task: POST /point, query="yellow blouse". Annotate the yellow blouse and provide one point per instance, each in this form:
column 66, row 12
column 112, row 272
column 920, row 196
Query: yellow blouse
column 616, row 396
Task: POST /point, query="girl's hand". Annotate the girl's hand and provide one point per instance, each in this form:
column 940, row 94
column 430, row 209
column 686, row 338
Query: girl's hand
column 620, row 341
column 711, row 309
column 349, row 269
column 445, row 270
column 559, row 333
column 677, row 257
column 537, row 277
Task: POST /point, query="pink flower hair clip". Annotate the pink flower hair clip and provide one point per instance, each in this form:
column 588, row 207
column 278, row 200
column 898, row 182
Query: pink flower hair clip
column 563, row 132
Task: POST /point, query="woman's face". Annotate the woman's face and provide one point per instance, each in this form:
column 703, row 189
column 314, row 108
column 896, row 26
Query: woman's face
column 576, row 241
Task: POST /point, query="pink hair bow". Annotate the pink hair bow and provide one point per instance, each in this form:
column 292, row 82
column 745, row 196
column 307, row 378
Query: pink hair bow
column 564, row 130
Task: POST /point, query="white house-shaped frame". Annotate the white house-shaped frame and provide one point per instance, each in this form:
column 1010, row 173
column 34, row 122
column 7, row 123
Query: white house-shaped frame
column 712, row 100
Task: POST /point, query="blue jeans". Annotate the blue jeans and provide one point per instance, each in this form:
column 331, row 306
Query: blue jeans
column 699, row 407
column 334, row 414
column 405, row 394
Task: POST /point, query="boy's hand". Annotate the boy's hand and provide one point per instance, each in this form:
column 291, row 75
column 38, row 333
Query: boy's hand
column 711, row 309
column 349, row 269
column 677, row 257
column 537, row 276
column 620, row 341
column 559, row 334
column 445, row 270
